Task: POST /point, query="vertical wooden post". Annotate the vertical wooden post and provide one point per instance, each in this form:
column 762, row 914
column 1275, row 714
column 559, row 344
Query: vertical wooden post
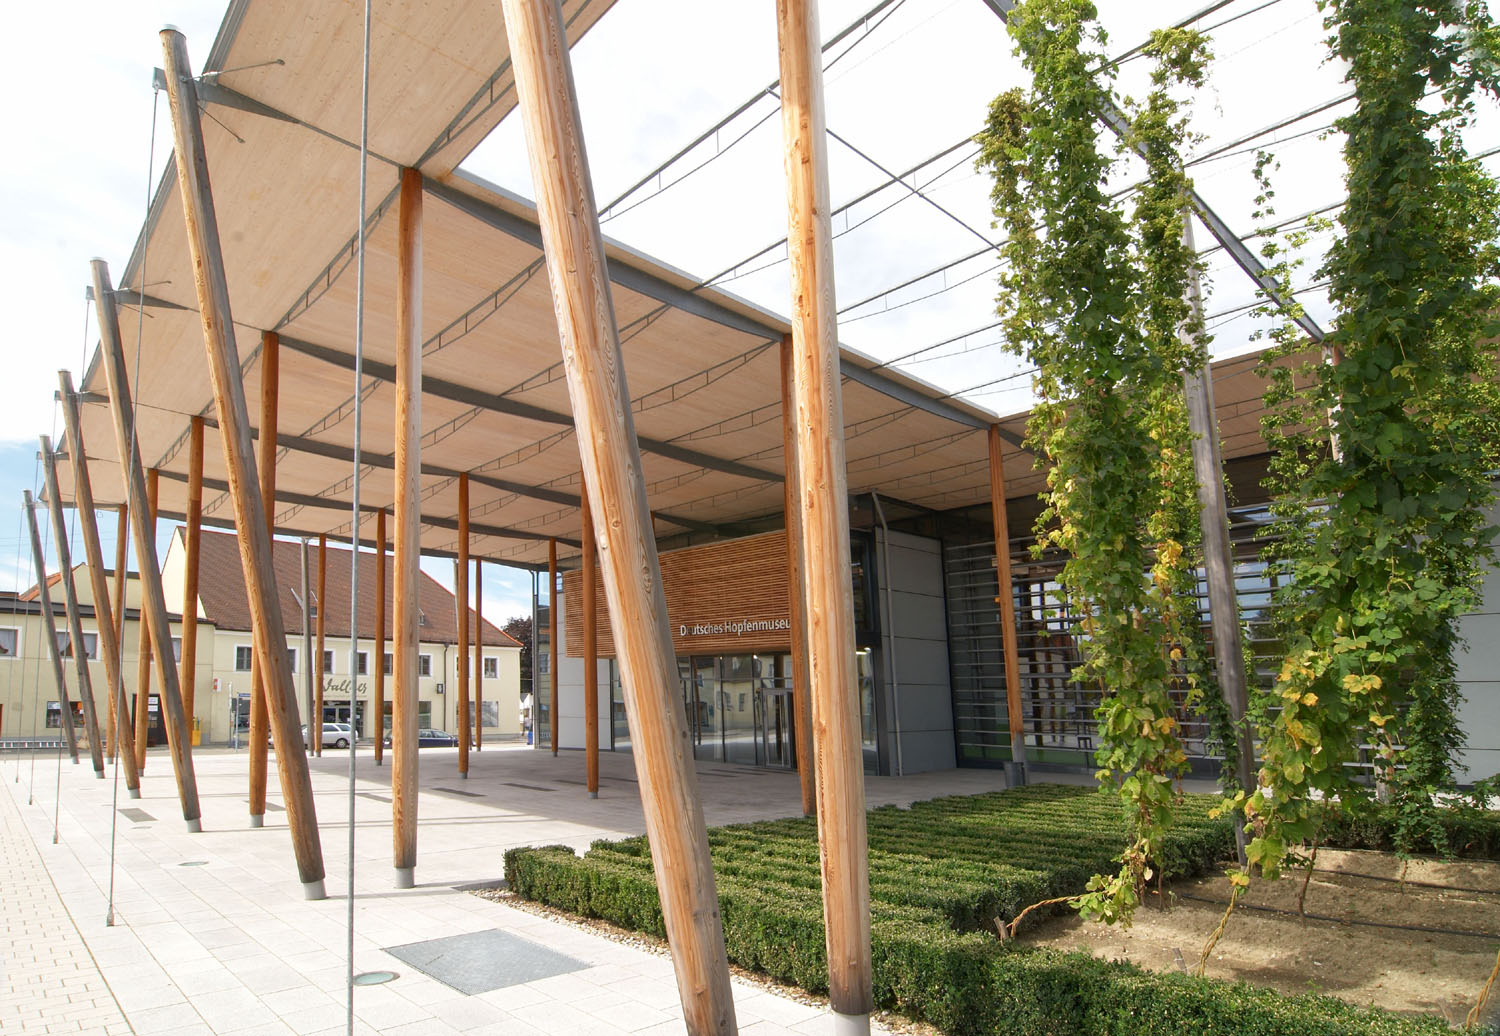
column 408, row 524
column 824, row 505
column 797, row 604
column 478, row 653
column 234, row 428
column 193, row 542
column 590, row 648
column 320, row 675
column 1005, row 597
column 109, row 635
column 461, row 592
column 552, row 651
column 378, row 703
column 143, row 643
column 143, row 520
column 122, row 561
column 70, row 601
column 309, row 671
column 612, row 475
column 49, row 623
column 260, row 720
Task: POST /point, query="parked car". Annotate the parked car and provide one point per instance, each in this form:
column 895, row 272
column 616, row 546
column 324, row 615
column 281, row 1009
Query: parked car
column 337, row 735
column 427, row 737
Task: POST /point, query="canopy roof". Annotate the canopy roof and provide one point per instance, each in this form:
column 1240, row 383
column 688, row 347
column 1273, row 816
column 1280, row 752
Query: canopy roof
column 703, row 367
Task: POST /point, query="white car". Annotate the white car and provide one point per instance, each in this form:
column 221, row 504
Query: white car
column 337, row 735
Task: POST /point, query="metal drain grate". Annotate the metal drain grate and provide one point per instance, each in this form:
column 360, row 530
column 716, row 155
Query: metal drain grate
column 481, row 961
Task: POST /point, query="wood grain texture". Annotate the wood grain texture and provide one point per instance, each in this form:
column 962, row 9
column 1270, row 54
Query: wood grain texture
column 192, row 547
column 49, row 624
column 408, row 520
column 121, row 735
column 143, row 529
column 823, row 502
column 320, row 676
column 461, row 604
column 1005, row 596
column 611, row 463
column 122, row 545
column 212, row 290
column 70, row 602
column 552, row 645
column 143, row 643
column 270, row 420
column 378, row 700
column 796, row 605
column 590, row 609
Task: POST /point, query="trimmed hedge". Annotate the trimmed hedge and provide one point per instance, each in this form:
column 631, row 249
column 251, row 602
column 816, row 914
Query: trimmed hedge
column 1468, row 833
column 941, row 872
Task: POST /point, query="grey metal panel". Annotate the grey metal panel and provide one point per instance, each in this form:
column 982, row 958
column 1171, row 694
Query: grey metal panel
column 925, row 750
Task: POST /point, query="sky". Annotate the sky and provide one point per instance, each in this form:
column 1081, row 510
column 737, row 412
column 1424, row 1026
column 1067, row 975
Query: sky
column 910, row 83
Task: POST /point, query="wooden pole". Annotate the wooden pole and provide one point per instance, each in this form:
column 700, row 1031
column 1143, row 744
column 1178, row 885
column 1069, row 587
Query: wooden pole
column 70, row 602
column 613, row 481
column 193, row 544
column 461, row 592
column 320, row 676
column 552, row 651
column 1005, row 597
column 260, row 720
column 234, row 428
column 408, row 525
column 143, row 627
column 122, row 545
column 49, row 623
column 109, row 635
column 309, row 670
column 143, row 520
column 823, row 490
column 378, row 703
column 478, row 653
column 590, row 649
column 797, row 605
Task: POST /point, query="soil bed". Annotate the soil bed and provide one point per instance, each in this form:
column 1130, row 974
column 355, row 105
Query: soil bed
column 1427, row 972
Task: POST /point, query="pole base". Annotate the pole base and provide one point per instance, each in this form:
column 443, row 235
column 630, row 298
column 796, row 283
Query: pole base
column 195, row 825
column 314, row 890
column 593, row 794
column 257, row 820
column 406, row 877
column 464, row 775
column 134, row 793
column 99, row 774
column 851, row 1024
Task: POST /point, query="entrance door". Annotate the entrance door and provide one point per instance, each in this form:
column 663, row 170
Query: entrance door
column 700, row 693
column 740, row 709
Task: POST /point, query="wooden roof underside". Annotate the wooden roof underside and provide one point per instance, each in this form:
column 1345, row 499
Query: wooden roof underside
column 702, row 366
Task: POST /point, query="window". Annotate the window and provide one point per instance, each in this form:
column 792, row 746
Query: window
column 424, row 665
column 362, row 663
column 54, row 715
column 327, row 661
column 387, row 664
column 10, row 642
column 242, row 658
column 491, row 667
column 544, row 663
column 90, row 645
column 291, row 655
column 176, row 648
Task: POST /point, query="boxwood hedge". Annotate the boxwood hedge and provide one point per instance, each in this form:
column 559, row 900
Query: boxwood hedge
column 941, row 873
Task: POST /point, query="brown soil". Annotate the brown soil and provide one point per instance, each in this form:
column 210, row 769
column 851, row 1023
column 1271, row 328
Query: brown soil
column 1426, row 972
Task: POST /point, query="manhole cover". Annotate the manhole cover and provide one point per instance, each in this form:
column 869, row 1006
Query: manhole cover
column 481, row 961
column 374, row 978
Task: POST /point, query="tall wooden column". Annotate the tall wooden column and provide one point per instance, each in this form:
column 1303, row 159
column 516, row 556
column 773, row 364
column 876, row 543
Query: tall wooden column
column 590, row 649
column 193, row 544
column 49, row 623
column 478, row 653
column 823, row 503
column 378, row 698
column 320, row 673
column 1005, row 597
column 122, row 545
column 153, row 600
column 613, row 481
column 552, row 651
column 797, row 604
column 461, row 592
column 234, row 429
column 143, row 627
column 109, row 636
column 260, row 720
column 408, row 525
column 70, row 601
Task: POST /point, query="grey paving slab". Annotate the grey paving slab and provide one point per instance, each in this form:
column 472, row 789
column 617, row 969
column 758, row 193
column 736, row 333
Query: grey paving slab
column 478, row 962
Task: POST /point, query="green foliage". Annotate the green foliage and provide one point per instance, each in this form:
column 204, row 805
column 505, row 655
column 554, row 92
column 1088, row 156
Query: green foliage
column 1382, row 454
column 1098, row 302
column 940, row 874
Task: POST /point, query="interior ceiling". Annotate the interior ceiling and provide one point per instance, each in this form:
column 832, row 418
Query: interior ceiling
column 703, row 368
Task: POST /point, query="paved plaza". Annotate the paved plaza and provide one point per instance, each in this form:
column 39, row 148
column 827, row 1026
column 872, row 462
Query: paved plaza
column 212, row 935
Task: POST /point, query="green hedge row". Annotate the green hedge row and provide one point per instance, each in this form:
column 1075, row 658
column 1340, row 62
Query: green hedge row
column 1467, row 832
column 940, row 873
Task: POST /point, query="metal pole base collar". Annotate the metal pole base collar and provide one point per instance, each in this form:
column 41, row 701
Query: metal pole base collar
column 851, row 1024
column 406, row 877
column 314, row 890
column 257, row 820
column 195, row 825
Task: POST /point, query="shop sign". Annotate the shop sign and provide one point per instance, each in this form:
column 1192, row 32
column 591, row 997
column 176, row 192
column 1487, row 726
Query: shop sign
column 736, row 627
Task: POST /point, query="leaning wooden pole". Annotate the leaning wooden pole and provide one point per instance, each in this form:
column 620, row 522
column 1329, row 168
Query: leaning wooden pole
column 590, row 616
column 70, row 602
column 104, row 617
column 122, row 560
column 1005, row 598
column 797, row 604
column 552, row 651
column 461, row 593
column 408, row 526
column 234, row 429
column 153, row 600
column 192, row 547
column 260, row 720
column 378, row 694
column 823, row 490
column 49, row 623
column 613, row 480
column 320, row 673
column 143, row 642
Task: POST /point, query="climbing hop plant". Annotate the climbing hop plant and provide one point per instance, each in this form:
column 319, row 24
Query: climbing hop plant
column 1093, row 298
column 1383, row 453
